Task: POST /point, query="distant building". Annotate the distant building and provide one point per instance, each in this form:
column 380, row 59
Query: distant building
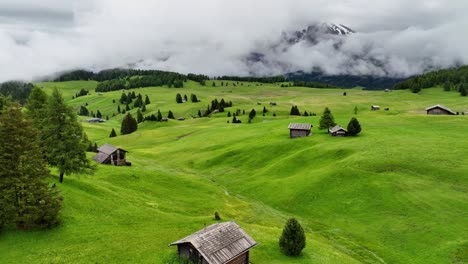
column 95, row 120
column 439, row 110
column 375, row 107
column 299, row 130
column 108, row 154
column 273, row 103
column 223, row 243
column 338, row 131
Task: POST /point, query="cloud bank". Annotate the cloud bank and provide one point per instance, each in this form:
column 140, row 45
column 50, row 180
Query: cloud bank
column 394, row 37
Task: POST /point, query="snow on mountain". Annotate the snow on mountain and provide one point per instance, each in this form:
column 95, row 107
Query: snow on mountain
column 339, row 29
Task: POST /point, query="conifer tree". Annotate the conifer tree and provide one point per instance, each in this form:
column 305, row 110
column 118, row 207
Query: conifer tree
column 252, row 114
column 113, row 134
column 159, row 116
column 37, row 107
column 139, row 116
column 147, row 100
column 127, row 107
column 199, row 113
column 118, row 109
column 26, row 199
column 178, row 99
column 354, row 127
column 143, row 108
column 327, row 120
column 293, row 239
column 63, row 137
column 463, row 88
column 129, row 125
column 170, row 115
column 98, row 114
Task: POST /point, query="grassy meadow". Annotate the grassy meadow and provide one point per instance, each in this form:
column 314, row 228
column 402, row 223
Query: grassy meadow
column 397, row 193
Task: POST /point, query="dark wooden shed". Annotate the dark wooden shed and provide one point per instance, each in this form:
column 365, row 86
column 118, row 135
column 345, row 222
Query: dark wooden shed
column 108, row 154
column 338, row 131
column 439, row 110
column 223, row 243
column 299, row 130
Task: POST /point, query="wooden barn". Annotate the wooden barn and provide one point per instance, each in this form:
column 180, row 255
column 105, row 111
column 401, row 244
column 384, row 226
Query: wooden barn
column 223, row 243
column 299, row 130
column 439, row 110
column 338, row 131
column 108, row 154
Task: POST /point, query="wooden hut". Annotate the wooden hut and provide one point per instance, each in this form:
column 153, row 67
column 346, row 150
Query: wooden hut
column 375, row 107
column 338, row 131
column 299, row 130
column 108, row 154
column 439, row 110
column 222, row 243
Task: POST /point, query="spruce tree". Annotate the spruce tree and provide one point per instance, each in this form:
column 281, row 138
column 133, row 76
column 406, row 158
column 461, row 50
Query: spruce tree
column 178, row 99
column 327, row 120
column 292, row 240
column 170, row 115
column 98, row 114
column 37, row 107
column 113, row 134
column 129, row 125
column 143, row 108
column 63, row 137
column 26, row 198
column 147, row 100
column 139, row 116
column 354, row 127
column 159, row 116
column 252, row 114
column 199, row 113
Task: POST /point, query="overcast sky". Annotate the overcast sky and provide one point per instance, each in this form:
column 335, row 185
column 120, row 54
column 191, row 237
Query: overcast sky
column 40, row 37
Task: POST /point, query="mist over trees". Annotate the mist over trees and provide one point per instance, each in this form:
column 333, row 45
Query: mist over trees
column 19, row 91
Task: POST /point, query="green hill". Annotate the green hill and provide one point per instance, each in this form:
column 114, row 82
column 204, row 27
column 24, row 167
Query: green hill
column 397, row 193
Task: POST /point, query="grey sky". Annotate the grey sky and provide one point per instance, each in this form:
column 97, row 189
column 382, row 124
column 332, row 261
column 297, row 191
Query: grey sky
column 39, row 37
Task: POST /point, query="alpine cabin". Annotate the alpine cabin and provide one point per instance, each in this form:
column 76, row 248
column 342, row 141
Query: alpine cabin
column 439, row 110
column 337, row 131
column 299, row 130
column 108, row 154
column 223, row 243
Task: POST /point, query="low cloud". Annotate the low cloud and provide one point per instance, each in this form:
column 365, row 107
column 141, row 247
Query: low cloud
column 394, row 38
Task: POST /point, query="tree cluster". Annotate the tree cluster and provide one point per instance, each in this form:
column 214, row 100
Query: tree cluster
column 312, row 84
column 26, row 199
column 129, row 125
column 273, row 79
column 450, row 79
column 19, row 91
column 82, row 92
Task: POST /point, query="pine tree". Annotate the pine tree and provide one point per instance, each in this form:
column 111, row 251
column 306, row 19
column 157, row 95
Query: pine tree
column 214, row 84
column 118, row 109
column 354, row 127
column 170, row 115
column 123, row 98
column 159, row 116
column 293, row 239
column 127, row 107
column 83, row 111
column 327, row 120
column 185, row 98
column 98, row 114
column 229, row 114
column 147, row 100
column 199, row 113
column 178, row 99
column 37, row 107
column 113, row 134
column 129, row 125
column 265, row 110
column 63, row 136
column 463, row 88
column 252, row 114
column 139, row 116
column 355, row 110
column 26, row 199
column 143, row 108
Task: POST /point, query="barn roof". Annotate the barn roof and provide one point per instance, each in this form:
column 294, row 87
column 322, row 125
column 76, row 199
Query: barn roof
column 297, row 126
column 441, row 107
column 336, row 129
column 220, row 243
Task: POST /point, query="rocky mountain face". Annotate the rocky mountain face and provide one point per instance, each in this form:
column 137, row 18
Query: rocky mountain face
column 276, row 55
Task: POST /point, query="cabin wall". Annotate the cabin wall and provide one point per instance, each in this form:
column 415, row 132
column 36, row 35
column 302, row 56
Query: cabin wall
column 298, row 133
column 242, row 259
column 188, row 251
